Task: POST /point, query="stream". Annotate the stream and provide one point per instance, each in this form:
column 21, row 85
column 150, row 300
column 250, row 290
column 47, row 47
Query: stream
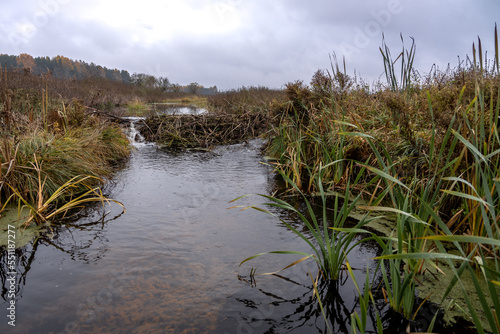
column 170, row 263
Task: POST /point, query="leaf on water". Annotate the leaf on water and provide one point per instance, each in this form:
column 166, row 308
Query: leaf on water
column 279, row 252
column 238, row 198
column 290, row 265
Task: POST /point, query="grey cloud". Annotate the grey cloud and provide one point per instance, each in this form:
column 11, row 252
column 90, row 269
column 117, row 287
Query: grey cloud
column 277, row 41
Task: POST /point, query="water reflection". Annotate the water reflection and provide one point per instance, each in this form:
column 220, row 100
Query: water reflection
column 82, row 239
column 286, row 303
column 20, row 265
column 170, row 263
column 178, row 109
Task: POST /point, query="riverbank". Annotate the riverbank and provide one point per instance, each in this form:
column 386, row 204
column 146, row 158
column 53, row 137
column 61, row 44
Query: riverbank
column 425, row 150
column 56, row 152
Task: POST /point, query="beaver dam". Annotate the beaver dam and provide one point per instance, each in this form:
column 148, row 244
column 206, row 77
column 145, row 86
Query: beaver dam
column 203, row 131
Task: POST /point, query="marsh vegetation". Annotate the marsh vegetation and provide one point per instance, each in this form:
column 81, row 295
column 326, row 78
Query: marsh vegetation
column 422, row 150
column 62, row 138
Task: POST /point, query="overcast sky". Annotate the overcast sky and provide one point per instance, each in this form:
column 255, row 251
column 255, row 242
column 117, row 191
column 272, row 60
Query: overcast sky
column 234, row 43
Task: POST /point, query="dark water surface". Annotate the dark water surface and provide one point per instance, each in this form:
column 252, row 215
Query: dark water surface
column 170, row 263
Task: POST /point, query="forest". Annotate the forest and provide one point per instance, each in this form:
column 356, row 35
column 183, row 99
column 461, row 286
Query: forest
column 61, row 67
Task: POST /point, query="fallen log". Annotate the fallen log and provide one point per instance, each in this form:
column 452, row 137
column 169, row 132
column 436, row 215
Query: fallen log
column 107, row 115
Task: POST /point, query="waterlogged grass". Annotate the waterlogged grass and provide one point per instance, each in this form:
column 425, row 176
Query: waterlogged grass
column 137, row 108
column 62, row 202
column 60, row 157
column 359, row 320
column 191, row 100
column 332, row 242
column 54, row 161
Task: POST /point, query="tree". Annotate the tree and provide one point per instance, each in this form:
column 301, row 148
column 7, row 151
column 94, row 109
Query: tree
column 80, row 69
column 63, row 67
column 96, row 71
column 25, row 61
column 193, row 88
column 125, row 76
column 175, row 88
column 150, row 81
column 141, row 79
column 7, row 61
column 163, row 83
column 43, row 65
column 113, row 75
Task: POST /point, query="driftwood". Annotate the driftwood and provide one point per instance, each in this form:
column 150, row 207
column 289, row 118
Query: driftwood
column 203, row 131
column 107, row 115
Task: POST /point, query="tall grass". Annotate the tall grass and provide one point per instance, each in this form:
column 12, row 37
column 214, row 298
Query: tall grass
column 245, row 99
column 305, row 152
column 472, row 177
column 80, row 151
column 308, row 141
column 330, row 242
column 427, row 154
column 93, row 92
column 54, row 155
column 478, row 188
column 406, row 58
column 67, row 199
column 478, row 184
column 358, row 320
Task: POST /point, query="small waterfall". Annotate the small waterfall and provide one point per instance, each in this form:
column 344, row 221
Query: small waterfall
column 134, row 135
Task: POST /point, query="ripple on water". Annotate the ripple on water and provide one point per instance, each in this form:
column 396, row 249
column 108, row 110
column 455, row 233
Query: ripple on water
column 170, row 263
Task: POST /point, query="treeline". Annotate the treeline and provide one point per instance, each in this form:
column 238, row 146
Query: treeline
column 164, row 84
column 62, row 67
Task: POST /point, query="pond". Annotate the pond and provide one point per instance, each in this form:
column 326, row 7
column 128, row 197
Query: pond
column 169, row 264
column 177, row 109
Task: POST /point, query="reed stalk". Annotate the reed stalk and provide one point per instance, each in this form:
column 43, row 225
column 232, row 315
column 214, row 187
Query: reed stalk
column 331, row 243
column 427, row 155
column 406, row 57
column 358, row 320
